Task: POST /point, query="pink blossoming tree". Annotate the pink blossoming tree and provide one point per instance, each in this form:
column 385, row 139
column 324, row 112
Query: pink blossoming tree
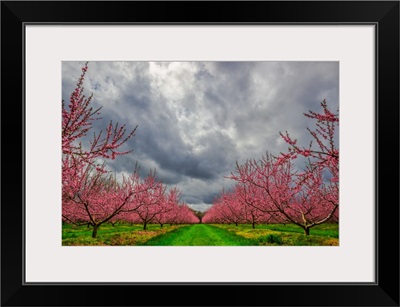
column 283, row 193
column 90, row 195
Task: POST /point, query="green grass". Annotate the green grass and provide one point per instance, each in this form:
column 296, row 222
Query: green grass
column 199, row 235
column 330, row 230
column 202, row 235
column 289, row 234
column 121, row 234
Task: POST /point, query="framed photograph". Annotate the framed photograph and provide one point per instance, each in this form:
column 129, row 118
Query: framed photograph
column 152, row 157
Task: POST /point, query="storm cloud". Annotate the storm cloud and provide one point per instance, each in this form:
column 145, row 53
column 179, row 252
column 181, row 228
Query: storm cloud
column 196, row 119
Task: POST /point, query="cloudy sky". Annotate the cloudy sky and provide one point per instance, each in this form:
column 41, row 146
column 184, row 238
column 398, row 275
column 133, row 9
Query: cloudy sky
column 196, row 119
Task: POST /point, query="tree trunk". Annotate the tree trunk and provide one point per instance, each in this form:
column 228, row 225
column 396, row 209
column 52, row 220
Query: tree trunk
column 144, row 226
column 95, row 228
column 236, row 224
column 161, row 225
column 253, row 225
column 306, row 231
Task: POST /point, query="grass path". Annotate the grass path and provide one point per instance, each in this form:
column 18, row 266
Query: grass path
column 199, row 235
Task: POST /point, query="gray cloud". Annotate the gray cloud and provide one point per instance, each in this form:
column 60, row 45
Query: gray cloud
column 195, row 119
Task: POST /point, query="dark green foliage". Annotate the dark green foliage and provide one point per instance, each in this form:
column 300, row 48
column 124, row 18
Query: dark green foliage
column 273, row 239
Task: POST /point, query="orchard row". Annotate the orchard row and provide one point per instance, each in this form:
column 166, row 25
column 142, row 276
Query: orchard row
column 91, row 195
column 274, row 189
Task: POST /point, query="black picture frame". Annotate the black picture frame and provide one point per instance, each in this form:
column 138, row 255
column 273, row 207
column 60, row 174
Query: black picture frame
column 383, row 14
